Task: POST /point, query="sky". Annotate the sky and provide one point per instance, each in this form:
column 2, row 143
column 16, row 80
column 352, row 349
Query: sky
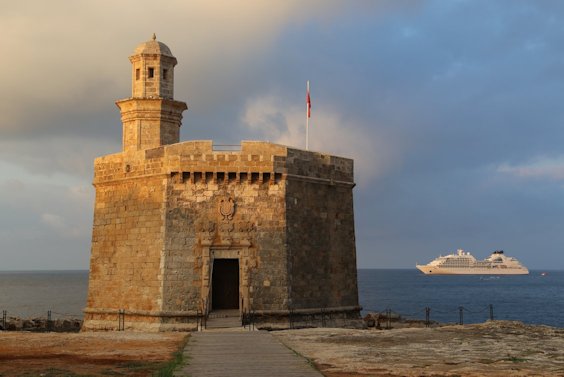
column 452, row 110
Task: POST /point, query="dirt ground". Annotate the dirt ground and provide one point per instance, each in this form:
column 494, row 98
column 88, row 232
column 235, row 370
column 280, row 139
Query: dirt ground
column 498, row 348
column 86, row 354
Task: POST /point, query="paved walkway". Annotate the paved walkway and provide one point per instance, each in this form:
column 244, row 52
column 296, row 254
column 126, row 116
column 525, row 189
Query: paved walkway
column 228, row 353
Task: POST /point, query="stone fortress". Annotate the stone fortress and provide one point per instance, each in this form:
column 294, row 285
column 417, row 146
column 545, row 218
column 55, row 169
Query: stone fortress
column 182, row 229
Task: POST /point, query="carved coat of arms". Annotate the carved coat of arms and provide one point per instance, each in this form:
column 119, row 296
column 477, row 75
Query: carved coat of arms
column 227, row 208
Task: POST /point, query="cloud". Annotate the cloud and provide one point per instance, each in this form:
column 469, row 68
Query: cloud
column 70, row 155
column 418, row 93
column 12, row 185
column 374, row 151
column 67, row 59
column 40, row 208
column 541, row 168
column 54, row 221
column 64, row 227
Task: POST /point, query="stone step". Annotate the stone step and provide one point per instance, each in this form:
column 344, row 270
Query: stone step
column 223, row 322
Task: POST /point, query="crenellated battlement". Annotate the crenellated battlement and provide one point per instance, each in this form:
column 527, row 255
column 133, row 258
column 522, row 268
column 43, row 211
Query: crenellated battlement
column 197, row 161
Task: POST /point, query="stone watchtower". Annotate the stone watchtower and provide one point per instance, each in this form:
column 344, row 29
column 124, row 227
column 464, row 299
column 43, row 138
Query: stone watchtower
column 182, row 229
column 151, row 117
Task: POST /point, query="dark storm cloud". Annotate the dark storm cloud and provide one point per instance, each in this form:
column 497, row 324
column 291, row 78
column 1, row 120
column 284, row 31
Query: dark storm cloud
column 474, row 91
column 451, row 109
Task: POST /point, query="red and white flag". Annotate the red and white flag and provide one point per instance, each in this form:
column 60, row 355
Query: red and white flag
column 308, row 102
column 308, row 115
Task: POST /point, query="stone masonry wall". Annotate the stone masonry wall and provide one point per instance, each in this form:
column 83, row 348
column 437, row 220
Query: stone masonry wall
column 192, row 206
column 162, row 215
column 127, row 238
column 126, row 246
column 256, row 229
column 321, row 243
column 150, row 123
column 157, row 86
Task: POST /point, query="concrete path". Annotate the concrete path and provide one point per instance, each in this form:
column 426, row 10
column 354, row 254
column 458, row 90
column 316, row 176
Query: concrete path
column 225, row 353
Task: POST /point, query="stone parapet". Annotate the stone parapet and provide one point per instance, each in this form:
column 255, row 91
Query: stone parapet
column 255, row 161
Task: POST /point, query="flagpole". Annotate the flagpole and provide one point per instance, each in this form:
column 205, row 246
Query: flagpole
column 307, row 117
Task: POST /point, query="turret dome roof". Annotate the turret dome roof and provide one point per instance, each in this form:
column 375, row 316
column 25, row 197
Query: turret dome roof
column 153, row 47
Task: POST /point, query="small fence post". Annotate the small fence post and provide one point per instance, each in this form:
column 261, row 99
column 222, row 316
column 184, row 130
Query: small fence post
column 243, row 312
column 4, row 315
column 491, row 313
column 252, row 318
column 205, row 313
column 49, row 322
column 388, row 319
column 427, row 316
column 247, row 317
column 291, row 317
column 461, row 311
column 198, row 314
column 121, row 320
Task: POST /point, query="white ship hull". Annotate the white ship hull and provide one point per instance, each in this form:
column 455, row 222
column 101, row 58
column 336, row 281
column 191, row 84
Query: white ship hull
column 463, row 263
column 434, row 270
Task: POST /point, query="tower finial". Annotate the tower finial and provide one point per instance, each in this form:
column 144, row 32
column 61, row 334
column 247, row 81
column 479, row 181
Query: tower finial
column 154, row 36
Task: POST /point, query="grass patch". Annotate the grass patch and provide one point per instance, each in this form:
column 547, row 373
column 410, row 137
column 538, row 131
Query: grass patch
column 311, row 363
column 167, row 370
column 137, row 365
column 110, row 372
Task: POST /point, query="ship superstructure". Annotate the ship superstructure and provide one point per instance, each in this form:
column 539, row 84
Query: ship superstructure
column 463, row 263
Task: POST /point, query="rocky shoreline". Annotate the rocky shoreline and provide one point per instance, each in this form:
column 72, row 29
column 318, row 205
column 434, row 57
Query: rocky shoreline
column 493, row 348
column 41, row 324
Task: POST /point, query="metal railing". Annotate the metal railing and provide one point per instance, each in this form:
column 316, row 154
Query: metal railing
column 226, row 147
column 387, row 316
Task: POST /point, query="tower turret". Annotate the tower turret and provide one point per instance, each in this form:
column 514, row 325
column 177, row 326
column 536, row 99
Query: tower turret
column 151, row 117
column 152, row 66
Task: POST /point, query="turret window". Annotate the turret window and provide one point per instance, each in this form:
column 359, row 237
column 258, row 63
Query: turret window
column 151, row 72
column 137, row 74
column 165, row 74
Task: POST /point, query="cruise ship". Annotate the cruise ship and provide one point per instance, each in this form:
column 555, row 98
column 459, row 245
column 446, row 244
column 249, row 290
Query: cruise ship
column 463, row 263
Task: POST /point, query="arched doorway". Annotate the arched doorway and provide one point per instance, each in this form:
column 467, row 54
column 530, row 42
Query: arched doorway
column 225, row 284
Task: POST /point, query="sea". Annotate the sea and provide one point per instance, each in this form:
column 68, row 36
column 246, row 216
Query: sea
column 537, row 298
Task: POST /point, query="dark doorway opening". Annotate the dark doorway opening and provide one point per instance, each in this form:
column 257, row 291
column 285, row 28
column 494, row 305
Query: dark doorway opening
column 225, row 284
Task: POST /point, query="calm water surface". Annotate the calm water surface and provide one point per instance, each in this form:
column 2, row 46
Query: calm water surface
column 530, row 298
column 33, row 293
